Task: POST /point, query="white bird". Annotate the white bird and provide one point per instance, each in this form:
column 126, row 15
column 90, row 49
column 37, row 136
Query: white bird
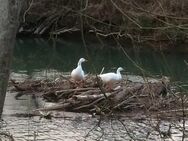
column 78, row 74
column 110, row 78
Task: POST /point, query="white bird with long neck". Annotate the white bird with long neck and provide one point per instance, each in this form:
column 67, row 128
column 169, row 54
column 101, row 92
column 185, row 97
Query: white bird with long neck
column 78, row 74
column 110, row 78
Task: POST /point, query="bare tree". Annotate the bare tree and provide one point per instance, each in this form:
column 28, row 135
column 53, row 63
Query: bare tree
column 9, row 22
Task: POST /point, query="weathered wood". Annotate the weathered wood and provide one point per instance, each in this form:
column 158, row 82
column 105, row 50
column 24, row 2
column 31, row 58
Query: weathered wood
column 9, row 21
column 73, row 90
column 55, row 107
column 90, row 98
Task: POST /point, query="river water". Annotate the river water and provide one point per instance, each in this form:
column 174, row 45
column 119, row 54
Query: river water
column 35, row 55
column 44, row 58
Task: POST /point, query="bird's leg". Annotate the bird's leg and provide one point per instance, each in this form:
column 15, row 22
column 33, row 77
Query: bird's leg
column 109, row 86
column 80, row 83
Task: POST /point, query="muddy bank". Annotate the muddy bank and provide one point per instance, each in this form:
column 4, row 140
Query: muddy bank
column 83, row 127
column 160, row 24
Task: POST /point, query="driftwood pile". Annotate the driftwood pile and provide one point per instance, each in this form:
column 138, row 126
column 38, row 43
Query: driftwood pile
column 92, row 96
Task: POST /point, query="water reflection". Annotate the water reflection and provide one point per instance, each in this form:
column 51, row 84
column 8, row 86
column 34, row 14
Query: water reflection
column 38, row 56
column 42, row 54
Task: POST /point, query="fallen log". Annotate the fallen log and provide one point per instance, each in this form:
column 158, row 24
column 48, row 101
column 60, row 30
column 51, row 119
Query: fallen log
column 73, row 90
column 90, row 98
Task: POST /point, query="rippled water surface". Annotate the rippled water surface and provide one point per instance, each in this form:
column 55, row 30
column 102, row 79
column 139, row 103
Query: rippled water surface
column 32, row 55
column 43, row 58
column 80, row 127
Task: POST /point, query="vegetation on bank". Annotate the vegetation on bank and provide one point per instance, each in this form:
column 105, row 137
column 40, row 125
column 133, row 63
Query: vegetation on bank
column 146, row 21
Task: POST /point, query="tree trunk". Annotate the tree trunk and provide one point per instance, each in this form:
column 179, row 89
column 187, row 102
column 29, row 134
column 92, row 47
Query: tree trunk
column 9, row 21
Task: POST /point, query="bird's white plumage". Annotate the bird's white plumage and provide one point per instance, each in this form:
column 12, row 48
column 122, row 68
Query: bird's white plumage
column 78, row 73
column 111, row 77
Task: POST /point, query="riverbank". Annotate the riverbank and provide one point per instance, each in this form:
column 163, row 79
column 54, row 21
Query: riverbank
column 159, row 24
column 80, row 126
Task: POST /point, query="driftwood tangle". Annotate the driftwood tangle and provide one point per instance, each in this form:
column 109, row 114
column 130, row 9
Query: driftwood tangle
column 93, row 97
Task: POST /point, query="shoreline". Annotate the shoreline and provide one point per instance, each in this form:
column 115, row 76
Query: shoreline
column 156, row 46
column 161, row 24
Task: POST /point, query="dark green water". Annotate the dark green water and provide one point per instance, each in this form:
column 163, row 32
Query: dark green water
column 31, row 55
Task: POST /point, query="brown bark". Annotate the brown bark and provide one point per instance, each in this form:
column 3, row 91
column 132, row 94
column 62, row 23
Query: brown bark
column 130, row 95
column 9, row 21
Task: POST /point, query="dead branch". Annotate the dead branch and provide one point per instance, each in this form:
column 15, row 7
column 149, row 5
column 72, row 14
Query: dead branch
column 89, row 98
